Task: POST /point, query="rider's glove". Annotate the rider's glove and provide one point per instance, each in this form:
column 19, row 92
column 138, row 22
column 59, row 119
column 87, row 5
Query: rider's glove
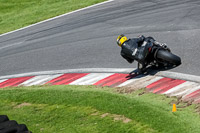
column 164, row 45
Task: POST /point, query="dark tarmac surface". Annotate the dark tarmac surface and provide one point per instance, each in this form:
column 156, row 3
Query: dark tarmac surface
column 87, row 39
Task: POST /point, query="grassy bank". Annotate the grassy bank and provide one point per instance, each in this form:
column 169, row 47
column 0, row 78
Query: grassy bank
column 15, row 14
column 91, row 109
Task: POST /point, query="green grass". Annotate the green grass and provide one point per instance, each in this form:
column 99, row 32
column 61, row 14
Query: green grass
column 71, row 109
column 15, row 14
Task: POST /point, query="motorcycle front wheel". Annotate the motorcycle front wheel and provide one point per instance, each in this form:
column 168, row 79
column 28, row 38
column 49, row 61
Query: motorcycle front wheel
column 168, row 57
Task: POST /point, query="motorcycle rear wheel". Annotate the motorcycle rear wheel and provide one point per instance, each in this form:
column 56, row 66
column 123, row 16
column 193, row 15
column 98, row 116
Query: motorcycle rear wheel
column 168, row 57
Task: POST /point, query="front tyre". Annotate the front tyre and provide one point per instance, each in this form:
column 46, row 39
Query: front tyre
column 168, row 57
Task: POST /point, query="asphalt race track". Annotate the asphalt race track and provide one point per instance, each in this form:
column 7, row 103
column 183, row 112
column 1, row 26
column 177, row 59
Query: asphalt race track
column 86, row 39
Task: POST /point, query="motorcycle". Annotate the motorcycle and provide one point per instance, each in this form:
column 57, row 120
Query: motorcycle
column 157, row 55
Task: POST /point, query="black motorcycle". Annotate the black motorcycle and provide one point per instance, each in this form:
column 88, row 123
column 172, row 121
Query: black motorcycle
column 157, row 55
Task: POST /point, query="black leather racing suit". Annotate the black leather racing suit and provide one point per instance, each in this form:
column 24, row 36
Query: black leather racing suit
column 132, row 49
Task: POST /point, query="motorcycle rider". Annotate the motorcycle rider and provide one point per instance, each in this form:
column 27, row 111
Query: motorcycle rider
column 136, row 49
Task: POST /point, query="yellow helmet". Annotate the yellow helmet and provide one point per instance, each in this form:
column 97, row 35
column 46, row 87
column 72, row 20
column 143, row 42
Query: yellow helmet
column 121, row 39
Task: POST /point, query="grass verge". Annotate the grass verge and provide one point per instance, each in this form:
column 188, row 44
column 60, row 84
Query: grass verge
column 72, row 109
column 15, row 14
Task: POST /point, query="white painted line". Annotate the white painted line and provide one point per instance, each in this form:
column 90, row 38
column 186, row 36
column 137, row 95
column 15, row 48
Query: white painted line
column 176, row 75
column 182, row 91
column 32, row 80
column 191, row 90
column 45, row 80
column 91, row 78
column 39, row 80
column 141, row 82
column 139, row 77
column 81, row 70
column 152, row 81
column 178, row 87
column 3, row 80
column 57, row 17
column 196, row 100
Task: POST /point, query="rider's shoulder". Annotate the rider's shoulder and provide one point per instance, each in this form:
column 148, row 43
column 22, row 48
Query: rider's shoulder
column 140, row 37
column 127, row 43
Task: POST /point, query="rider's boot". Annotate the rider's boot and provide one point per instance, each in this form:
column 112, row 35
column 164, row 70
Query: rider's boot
column 141, row 68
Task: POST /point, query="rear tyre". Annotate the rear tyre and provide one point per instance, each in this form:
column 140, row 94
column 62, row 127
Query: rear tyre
column 168, row 57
